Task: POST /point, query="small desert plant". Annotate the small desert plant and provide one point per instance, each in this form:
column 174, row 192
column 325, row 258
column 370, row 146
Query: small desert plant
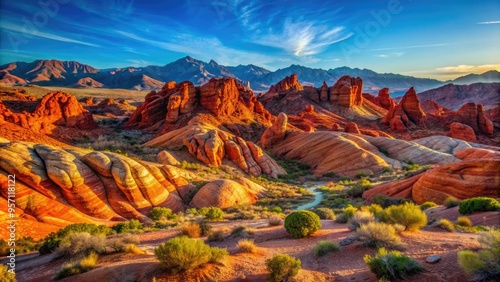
column 242, row 231
column 342, row 218
column 132, row 226
column 483, row 265
column 53, row 240
column 392, row 265
column 216, row 235
column 133, row 249
column 446, row 225
column 325, row 213
column 302, row 223
column 360, row 217
column 360, row 187
column 378, row 234
column 325, row 247
column 204, row 227
column 275, row 220
column 6, row 275
column 385, row 201
column 246, row 246
column 375, row 209
column 119, row 243
column 159, row 213
column 464, row 221
column 192, row 230
column 282, row 267
column 183, row 253
column 73, row 268
column 408, row 214
column 427, row 205
column 478, row 204
column 212, row 213
column 82, row 244
column 451, row 202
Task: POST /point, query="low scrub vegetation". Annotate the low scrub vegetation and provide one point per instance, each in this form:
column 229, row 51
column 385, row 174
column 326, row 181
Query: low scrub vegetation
column 53, row 240
column 282, row 267
column 6, row 275
column 408, row 215
column 212, row 213
column 275, row 220
column 23, row 245
column 464, row 221
column 378, row 234
column 388, row 265
column 359, row 218
column 478, row 204
column 192, row 230
column 183, row 253
column 325, row 247
column 76, row 267
column 325, row 213
column 427, row 205
column 446, row 225
column 483, row 265
column 132, row 226
column 246, row 246
column 82, row 244
column 302, row 223
column 160, row 213
column 451, row 202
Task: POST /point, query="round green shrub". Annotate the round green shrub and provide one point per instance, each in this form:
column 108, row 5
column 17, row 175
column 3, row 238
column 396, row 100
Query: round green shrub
column 392, row 265
column 427, row 205
column 282, row 267
column 325, row 213
column 158, row 213
column 301, row 224
column 408, row 215
column 478, row 204
column 212, row 213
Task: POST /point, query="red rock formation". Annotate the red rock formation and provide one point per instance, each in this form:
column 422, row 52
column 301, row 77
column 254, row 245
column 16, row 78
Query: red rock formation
column 309, row 109
column 408, row 110
column 384, row 100
column 485, row 125
column 473, row 115
column 347, row 91
column 275, row 133
column 287, row 84
column 55, row 109
column 323, row 92
column 352, row 127
column 226, row 193
column 432, row 107
column 106, row 102
column 89, row 101
column 462, row 131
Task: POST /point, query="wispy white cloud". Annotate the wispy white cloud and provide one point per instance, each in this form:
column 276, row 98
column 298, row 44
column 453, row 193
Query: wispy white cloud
column 490, row 22
column 395, row 54
column 468, row 69
column 139, row 63
column 412, row 47
column 37, row 33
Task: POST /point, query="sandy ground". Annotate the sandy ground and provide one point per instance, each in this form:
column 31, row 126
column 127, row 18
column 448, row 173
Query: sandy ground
column 346, row 265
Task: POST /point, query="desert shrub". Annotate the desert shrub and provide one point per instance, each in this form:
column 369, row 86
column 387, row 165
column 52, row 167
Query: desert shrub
column 483, row 265
column 82, row 244
column 132, row 226
column 183, row 253
column 216, row 235
column 6, row 275
column 282, row 267
column 205, row 227
column 241, row 231
column 408, row 214
column 302, row 223
column 360, row 187
column 385, row 201
column 464, row 221
column 275, row 220
column 451, row 202
column 53, row 240
column 341, row 218
column 212, row 213
column 246, row 246
column 76, row 267
column 350, row 210
column 325, row 247
column 23, row 245
column 120, row 243
column 159, row 213
column 360, row 217
column 375, row 209
column 378, row 234
column 133, row 249
column 325, row 213
column 446, row 225
column 392, row 265
column 276, row 209
column 192, row 230
column 478, row 204
column 427, row 205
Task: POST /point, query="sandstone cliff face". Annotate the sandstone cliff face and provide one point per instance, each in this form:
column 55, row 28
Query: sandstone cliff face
column 276, row 132
column 347, row 91
column 289, row 83
column 462, row 131
column 55, row 109
column 177, row 103
column 473, row 115
column 407, row 112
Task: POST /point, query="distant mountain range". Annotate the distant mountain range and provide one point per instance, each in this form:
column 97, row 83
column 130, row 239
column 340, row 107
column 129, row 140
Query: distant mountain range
column 74, row 74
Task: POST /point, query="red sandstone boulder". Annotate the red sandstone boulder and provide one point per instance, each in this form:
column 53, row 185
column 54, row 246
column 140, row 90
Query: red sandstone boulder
column 352, row 127
column 462, row 131
column 384, row 100
column 275, row 133
column 408, row 110
column 323, row 92
column 473, row 115
column 347, row 91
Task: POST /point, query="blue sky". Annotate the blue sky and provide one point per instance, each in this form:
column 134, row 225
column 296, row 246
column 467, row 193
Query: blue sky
column 425, row 38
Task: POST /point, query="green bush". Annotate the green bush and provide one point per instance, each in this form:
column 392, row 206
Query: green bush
column 183, row 253
column 23, row 245
column 282, row 267
column 82, row 244
column 325, row 247
column 427, row 205
column 246, row 246
column 302, row 223
column 464, row 221
column 77, row 267
column 446, row 225
column 385, row 201
column 52, row 241
column 408, row 215
column 451, row 202
column 483, row 265
column 159, row 213
column 216, row 235
column 375, row 209
column 6, row 275
column 392, row 265
column 132, row 226
column 478, row 204
column 360, row 187
column 378, row 234
column 212, row 213
column 325, row 213
column 360, row 217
